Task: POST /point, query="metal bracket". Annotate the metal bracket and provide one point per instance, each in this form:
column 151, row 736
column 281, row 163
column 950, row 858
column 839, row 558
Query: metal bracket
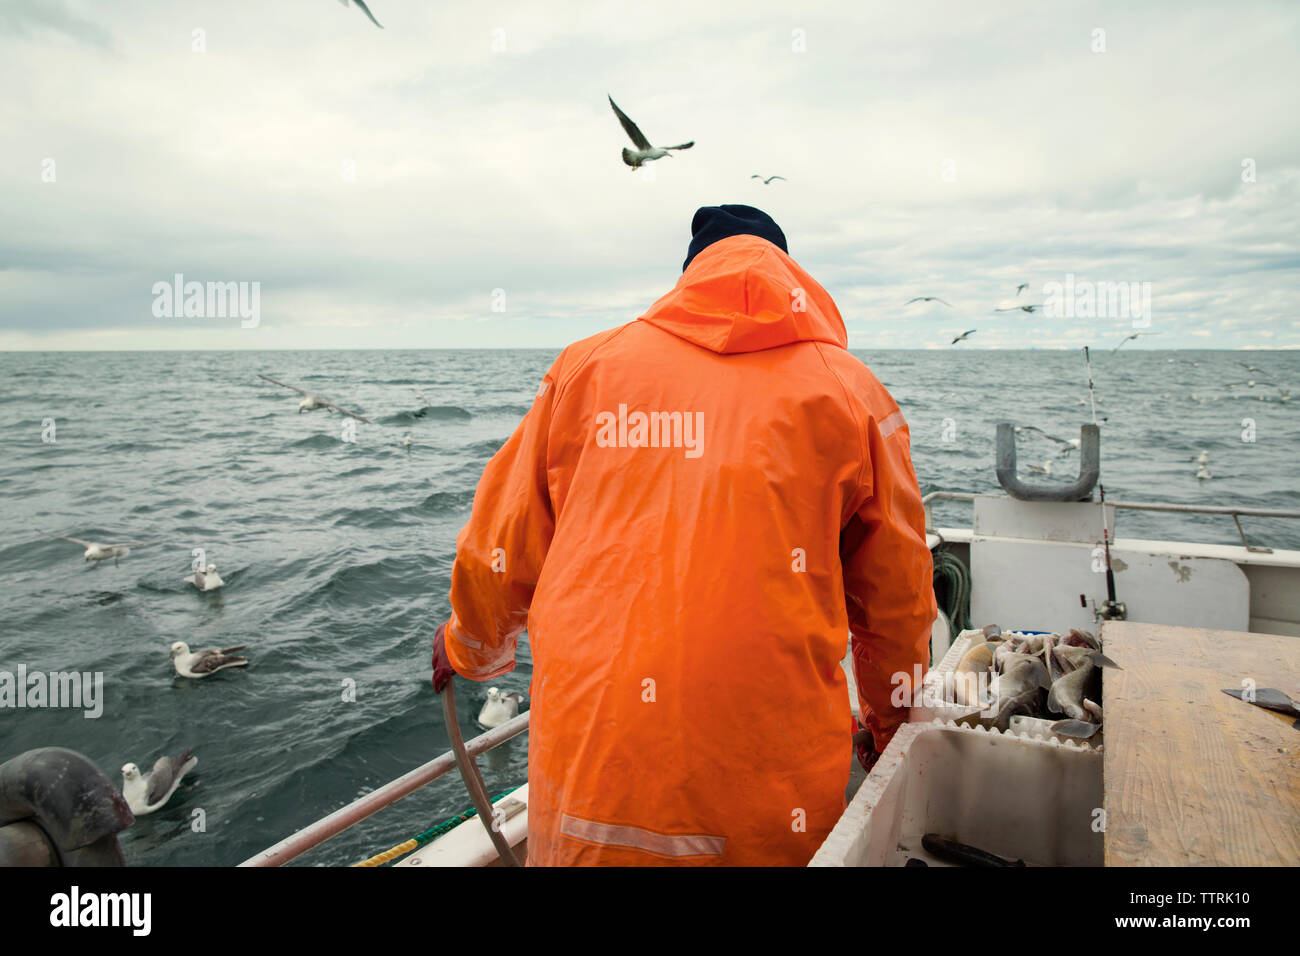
column 1249, row 546
column 1078, row 490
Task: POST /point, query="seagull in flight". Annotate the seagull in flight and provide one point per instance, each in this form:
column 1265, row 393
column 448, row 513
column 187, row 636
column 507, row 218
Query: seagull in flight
column 769, row 178
column 928, row 298
column 102, row 552
column 205, row 662
column 1022, row 287
column 1249, row 368
column 1022, row 308
column 364, row 9
column 146, row 793
column 1069, row 443
column 644, row 152
column 310, row 401
column 962, row 336
column 1130, row 338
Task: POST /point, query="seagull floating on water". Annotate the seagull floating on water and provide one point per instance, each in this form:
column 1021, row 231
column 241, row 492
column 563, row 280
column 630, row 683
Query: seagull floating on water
column 311, row 401
column 962, row 336
column 146, row 793
column 1251, row 384
column 205, row 579
column 769, row 178
column 927, row 298
column 644, row 152
column 205, row 662
column 499, row 708
column 364, row 9
column 102, row 552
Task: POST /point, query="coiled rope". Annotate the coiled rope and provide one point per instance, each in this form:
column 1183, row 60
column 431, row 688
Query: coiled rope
column 952, row 587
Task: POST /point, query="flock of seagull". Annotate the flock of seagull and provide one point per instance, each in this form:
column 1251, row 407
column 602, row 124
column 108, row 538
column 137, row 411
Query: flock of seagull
column 1029, row 308
column 148, row 792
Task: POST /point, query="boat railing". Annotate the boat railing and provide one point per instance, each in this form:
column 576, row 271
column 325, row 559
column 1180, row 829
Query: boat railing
column 1236, row 513
column 335, row 823
column 331, row 826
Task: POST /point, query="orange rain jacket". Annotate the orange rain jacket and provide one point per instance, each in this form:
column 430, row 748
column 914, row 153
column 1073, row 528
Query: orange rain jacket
column 695, row 510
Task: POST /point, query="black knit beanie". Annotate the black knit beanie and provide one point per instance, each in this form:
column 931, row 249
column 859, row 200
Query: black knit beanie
column 712, row 223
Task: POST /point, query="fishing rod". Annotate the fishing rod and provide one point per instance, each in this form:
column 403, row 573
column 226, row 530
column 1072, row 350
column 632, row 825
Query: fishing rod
column 1112, row 610
column 1087, row 358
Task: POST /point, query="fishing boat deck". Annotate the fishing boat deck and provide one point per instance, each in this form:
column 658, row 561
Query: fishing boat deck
column 1194, row 777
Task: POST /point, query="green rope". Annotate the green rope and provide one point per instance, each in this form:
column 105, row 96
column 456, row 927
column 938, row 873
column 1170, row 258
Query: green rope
column 407, row 846
column 952, row 588
column 452, row 822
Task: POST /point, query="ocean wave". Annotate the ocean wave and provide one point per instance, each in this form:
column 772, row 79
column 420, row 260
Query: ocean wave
column 429, row 413
column 368, row 517
column 444, row 502
column 317, row 441
column 483, row 450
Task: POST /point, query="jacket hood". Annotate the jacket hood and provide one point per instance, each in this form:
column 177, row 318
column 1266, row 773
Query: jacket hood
column 743, row 294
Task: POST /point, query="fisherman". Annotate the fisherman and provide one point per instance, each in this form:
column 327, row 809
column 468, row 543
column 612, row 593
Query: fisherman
column 697, row 508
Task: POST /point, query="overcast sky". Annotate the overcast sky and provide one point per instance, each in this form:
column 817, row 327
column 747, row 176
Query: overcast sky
column 381, row 184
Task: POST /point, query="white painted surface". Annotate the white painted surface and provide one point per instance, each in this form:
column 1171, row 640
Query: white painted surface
column 469, row 844
column 1078, row 521
column 956, row 781
column 1035, row 586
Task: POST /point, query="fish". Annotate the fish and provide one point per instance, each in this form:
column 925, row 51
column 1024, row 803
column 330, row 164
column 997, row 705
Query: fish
column 1270, row 699
column 962, row 853
column 1020, row 672
column 1018, row 690
column 1071, row 727
column 1027, row 704
column 1072, row 657
column 976, row 661
column 1078, row 638
column 1068, row 693
column 1004, row 651
column 1054, row 668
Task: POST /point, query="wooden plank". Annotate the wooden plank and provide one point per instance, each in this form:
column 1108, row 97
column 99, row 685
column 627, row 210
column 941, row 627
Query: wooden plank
column 1194, row 777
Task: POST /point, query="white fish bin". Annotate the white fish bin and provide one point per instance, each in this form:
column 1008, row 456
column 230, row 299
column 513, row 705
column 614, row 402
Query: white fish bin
column 1019, row 797
column 1026, row 795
